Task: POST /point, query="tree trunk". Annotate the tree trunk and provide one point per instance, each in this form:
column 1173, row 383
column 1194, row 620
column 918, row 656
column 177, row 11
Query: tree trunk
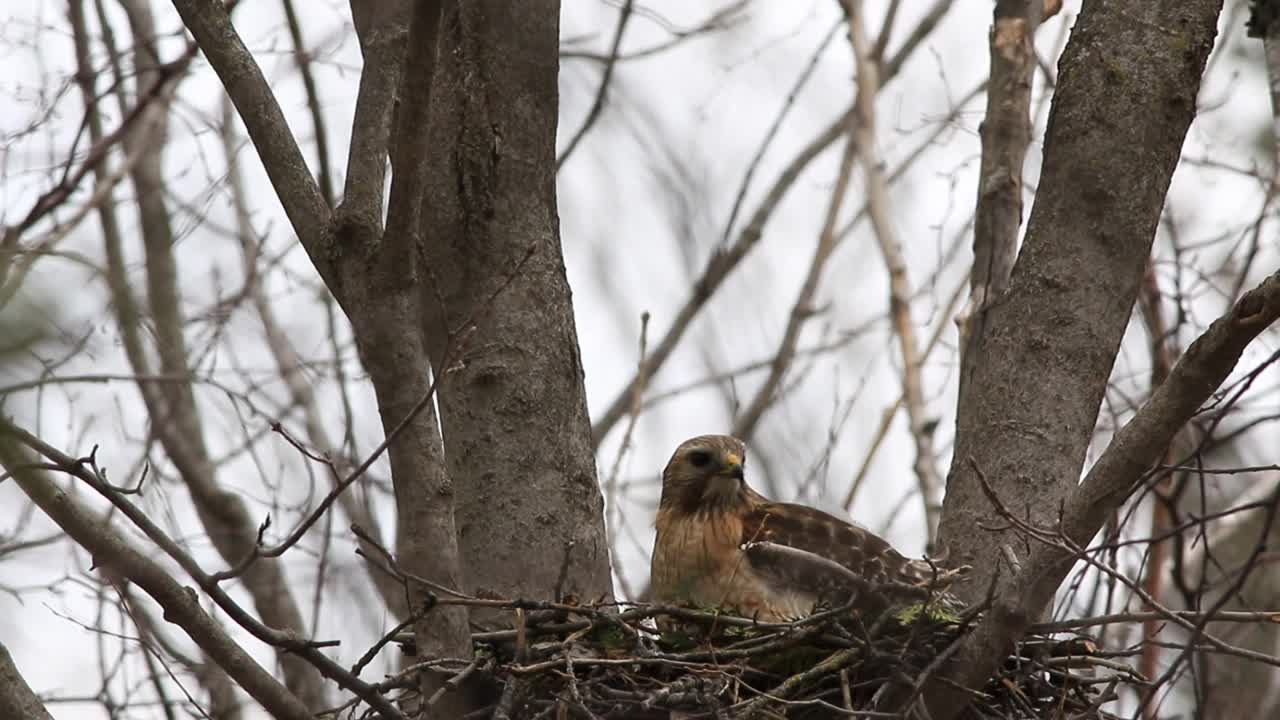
column 1042, row 357
column 1126, row 95
column 516, row 432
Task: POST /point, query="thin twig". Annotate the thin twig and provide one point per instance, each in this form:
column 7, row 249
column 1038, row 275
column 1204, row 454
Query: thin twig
column 722, row 262
column 803, row 307
column 922, row 427
column 602, row 93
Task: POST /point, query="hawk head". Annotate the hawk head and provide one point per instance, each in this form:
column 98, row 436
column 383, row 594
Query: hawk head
column 705, row 474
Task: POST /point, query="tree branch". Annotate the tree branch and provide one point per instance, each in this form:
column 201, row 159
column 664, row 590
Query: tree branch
column 291, row 366
column 1133, row 450
column 112, row 553
column 303, row 59
column 17, row 699
column 1005, row 132
column 1050, row 343
column 383, row 30
column 723, row 261
column 176, row 418
column 802, row 309
column 90, row 532
column 602, row 93
column 926, row 470
column 300, row 196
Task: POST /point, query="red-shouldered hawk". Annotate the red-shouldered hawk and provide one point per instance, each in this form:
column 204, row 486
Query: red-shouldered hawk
column 721, row 544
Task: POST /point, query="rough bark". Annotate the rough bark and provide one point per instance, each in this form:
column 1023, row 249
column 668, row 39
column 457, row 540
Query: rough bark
column 1049, row 343
column 1271, row 49
column 382, row 278
column 1005, row 132
column 1047, row 347
column 372, row 276
column 515, row 409
column 17, row 699
column 516, row 431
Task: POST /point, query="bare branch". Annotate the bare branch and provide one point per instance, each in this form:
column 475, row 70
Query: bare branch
column 114, row 554
column 92, row 533
column 383, row 30
column 300, row 196
column 723, row 261
column 1133, row 450
column 1191, row 382
column 224, row 703
column 1034, row 400
column 886, row 418
column 1051, row 342
column 803, row 308
column 411, row 146
column 922, row 426
column 1006, row 132
column 787, row 104
column 288, row 362
column 181, row 431
column 606, row 76
column 1162, row 357
column 303, row 60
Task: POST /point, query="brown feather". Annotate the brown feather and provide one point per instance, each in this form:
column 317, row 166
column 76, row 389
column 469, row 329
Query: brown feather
column 721, row 544
column 834, row 560
column 825, row 535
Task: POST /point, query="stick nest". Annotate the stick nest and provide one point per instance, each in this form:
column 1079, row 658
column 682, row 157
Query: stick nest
column 707, row 664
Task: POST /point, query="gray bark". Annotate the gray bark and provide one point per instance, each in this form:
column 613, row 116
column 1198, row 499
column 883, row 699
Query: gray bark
column 17, row 699
column 516, row 407
column 516, row 432
column 1042, row 363
column 370, row 274
column 1045, row 352
column 1006, row 132
column 381, row 289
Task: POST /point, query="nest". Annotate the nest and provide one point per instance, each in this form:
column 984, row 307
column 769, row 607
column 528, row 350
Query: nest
column 707, row 664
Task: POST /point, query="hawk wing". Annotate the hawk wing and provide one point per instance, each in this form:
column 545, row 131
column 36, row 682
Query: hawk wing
column 802, row 548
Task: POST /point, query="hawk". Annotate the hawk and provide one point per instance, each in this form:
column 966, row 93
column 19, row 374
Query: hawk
column 722, row 544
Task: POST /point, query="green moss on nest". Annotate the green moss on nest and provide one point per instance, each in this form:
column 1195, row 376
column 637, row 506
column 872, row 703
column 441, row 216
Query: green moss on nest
column 933, row 613
column 610, row 638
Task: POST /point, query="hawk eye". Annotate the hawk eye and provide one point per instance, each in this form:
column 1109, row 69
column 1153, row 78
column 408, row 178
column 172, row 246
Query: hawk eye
column 700, row 458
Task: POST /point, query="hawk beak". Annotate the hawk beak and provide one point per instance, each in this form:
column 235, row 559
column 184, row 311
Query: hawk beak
column 725, row 485
column 730, row 478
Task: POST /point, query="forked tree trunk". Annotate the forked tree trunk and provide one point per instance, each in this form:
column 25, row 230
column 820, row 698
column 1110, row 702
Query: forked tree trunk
column 1042, row 356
